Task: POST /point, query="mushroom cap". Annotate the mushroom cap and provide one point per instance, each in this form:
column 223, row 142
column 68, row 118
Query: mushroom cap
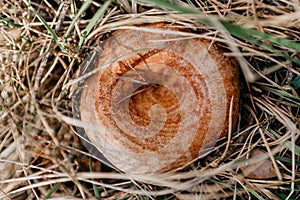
column 156, row 100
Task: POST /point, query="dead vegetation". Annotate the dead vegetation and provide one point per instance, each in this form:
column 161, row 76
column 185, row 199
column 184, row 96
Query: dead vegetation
column 40, row 50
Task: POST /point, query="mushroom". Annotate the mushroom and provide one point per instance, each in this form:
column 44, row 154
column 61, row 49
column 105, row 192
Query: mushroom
column 153, row 100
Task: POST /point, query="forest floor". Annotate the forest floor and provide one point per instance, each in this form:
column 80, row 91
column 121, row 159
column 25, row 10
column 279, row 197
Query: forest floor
column 42, row 45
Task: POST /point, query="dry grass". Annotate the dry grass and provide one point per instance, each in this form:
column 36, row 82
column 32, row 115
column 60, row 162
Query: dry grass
column 40, row 155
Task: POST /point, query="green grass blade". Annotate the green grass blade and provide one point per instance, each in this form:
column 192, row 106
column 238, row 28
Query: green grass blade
column 51, row 31
column 171, row 6
column 287, row 160
column 8, row 23
column 250, row 35
column 52, row 190
column 191, row 3
column 84, row 6
column 92, row 23
column 253, row 36
column 141, row 197
column 296, row 82
column 283, row 94
column 95, row 188
column 242, row 32
column 288, row 144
